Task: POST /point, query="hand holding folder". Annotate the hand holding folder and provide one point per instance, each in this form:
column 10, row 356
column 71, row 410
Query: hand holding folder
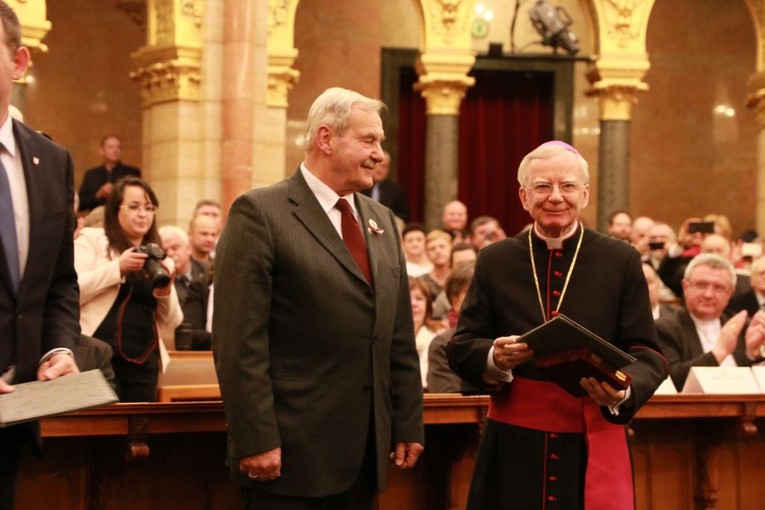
column 565, row 352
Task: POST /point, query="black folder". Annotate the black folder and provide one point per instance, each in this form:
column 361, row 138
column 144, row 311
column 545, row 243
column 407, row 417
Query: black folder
column 566, row 351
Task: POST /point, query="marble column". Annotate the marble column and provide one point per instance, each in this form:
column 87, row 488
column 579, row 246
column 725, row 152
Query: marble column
column 32, row 16
column 614, row 169
column 238, row 100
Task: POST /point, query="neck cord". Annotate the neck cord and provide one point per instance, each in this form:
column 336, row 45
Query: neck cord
column 568, row 276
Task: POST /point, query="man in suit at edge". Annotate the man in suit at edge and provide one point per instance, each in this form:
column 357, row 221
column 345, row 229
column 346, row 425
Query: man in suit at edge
column 388, row 193
column 39, row 303
column 316, row 359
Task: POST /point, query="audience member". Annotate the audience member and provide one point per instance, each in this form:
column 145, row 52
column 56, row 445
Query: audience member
column 752, row 300
column 454, row 220
column 660, row 237
column 722, row 225
column 641, row 226
column 390, row 194
column 654, row 292
column 38, row 314
column 620, row 225
column 98, row 182
column 484, row 231
column 95, row 218
column 413, row 243
column 463, row 252
column 679, row 254
column 209, row 208
column 702, row 333
column 424, row 327
column 122, row 300
column 438, row 246
column 191, row 285
column 441, row 378
column 203, row 236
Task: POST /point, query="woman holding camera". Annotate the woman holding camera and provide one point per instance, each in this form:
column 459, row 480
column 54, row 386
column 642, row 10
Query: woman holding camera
column 126, row 287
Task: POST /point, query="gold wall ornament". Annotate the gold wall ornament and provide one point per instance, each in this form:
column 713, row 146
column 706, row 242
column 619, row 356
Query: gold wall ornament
column 278, row 13
column 755, row 99
column 34, row 23
column 449, row 20
column 193, row 9
column 621, row 20
column 164, row 22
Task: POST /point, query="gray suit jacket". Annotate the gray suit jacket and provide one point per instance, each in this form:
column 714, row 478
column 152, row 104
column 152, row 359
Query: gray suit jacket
column 307, row 353
column 681, row 346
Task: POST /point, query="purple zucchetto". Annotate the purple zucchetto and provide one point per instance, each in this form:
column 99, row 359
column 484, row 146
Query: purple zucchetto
column 561, row 144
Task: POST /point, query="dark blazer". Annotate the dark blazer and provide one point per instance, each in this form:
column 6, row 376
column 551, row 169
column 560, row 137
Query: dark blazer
column 745, row 301
column 97, row 177
column 193, row 297
column 392, row 196
column 45, row 313
column 91, row 353
column 441, row 378
column 307, row 353
column 682, row 347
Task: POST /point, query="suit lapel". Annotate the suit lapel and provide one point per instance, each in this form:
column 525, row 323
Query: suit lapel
column 309, row 212
column 30, row 162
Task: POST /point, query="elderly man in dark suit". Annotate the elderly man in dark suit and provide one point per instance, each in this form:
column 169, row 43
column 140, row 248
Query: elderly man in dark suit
column 754, row 299
column 541, row 445
column 39, row 302
column 312, row 330
column 703, row 333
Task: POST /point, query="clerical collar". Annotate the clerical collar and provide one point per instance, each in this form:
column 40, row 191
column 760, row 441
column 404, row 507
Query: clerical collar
column 555, row 243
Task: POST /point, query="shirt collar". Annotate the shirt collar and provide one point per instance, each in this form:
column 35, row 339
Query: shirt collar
column 557, row 242
column 324, row 194
column 6, row 135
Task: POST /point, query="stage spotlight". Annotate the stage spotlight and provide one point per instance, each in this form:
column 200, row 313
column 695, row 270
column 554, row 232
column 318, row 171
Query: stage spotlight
column 553, row 24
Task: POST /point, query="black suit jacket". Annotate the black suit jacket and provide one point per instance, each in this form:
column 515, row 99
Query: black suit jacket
column 97, row 177
column 309, row 356
column 745, row 301
column 193, row 297
column 682, row 346
column 392, row 196
column 45, row 312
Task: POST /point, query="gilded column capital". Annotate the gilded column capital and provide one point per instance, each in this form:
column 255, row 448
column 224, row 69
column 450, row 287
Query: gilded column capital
column 615, row 84
column 615, row 101
column 755, row 99
column 281, row 78
column 443, row 97
column 34, row 24
column 169, row 66
column 757, row 9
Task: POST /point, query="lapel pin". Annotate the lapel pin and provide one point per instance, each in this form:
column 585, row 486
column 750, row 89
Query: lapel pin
column 36, row 160
column 374, row 229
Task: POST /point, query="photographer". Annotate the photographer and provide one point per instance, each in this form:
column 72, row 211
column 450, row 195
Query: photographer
column 126, row 287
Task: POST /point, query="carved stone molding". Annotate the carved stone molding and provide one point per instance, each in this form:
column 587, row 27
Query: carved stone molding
column 448, row 19
column 756, row 97
column 281, row 78
column 278, row 13
column 621, row 21
column 169, row 74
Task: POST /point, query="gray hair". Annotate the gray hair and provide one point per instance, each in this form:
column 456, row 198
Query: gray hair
column 169, row 230
column 714, row 261
column 549, row 150
column 333, row 108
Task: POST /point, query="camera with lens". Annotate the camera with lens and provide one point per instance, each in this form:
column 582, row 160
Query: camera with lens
column 152, row 267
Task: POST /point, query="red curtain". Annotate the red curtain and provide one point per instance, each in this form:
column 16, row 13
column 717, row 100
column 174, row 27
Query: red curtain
column 503, row 117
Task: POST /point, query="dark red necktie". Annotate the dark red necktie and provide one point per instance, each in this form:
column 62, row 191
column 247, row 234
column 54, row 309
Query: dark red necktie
column 353, row 238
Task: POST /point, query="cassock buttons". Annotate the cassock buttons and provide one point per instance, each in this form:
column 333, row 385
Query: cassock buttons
column 557, row 273
column 554, row 456
column 558, row 254
column 556, row 293
column 552, row 478
column 554, row 313
column 553, row 435
column 552, row 498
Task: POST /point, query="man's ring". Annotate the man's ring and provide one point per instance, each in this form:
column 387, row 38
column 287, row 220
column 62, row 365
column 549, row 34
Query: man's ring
column 251, row 476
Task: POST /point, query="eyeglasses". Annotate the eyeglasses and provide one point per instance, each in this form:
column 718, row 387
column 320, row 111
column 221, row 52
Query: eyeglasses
column 545, row 188
column 134, row 208
column 716, row 287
